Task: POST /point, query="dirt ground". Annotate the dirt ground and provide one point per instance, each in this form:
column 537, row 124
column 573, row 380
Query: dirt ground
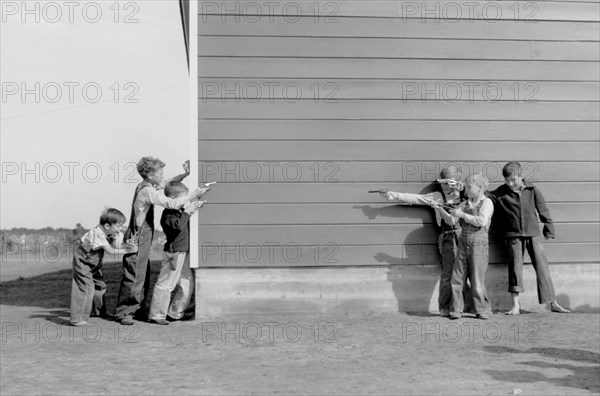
column 395, row 353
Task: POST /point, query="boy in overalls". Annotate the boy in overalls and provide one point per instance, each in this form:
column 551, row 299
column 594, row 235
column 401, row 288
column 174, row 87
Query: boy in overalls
column 449, row 196
column 474, row 217
column 88, row 286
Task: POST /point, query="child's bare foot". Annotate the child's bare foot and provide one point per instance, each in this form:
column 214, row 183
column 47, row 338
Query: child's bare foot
column 516, row 310
column 557, row 308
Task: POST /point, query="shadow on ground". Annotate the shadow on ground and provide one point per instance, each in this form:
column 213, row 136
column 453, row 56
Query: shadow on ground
column 579, row 377
column 53, row 290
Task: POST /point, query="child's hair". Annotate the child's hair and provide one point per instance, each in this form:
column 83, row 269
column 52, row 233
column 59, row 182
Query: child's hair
column 174, row 189
column 479, row 180
column 451, row 172
column 112, row 216
column 512, row 168
column 147, row 165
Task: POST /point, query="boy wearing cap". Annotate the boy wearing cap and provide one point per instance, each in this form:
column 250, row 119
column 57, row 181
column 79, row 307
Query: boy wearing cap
column 474, row 217
column 516, row 203
column 449, row 196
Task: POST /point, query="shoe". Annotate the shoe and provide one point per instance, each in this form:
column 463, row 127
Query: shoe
column 184, row 318
column 161, row 322
column 454, row 315
column 482, row 316
column 79, row 324
column 189, row 315
column 127, row 321
column 444, row 313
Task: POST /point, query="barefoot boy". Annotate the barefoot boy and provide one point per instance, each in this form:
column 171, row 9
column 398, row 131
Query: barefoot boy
column 516, row 203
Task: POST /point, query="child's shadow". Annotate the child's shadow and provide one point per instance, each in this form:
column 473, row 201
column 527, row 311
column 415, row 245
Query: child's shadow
column 581, row 377
column 56, row 316
column 394, row 211
column 414, row 284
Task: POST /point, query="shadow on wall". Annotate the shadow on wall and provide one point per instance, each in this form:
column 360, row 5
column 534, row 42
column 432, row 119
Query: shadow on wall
column 414, row 286
column 415, row 274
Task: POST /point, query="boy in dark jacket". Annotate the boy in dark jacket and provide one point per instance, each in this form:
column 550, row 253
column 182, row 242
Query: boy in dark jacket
column 175, row 268
column 136, row 265
column 516, row 203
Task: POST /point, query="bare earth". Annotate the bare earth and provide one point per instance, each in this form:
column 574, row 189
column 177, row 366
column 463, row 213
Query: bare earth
column 395, row 353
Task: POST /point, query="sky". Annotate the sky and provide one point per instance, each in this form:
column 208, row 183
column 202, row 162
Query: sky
column 87, row 90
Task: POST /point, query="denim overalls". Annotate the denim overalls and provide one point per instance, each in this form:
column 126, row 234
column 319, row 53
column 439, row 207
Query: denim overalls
column 136, row 266
column 471, row 263
column 88, row 287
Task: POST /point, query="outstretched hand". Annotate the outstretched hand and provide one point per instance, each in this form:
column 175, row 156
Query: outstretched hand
column 200, row 191
column 434, row 204
column 438, row 207
column 192, row 207
column 387, row 194
column 131, row 245
column 457, row 212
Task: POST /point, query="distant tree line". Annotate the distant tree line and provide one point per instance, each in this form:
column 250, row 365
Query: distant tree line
column 20, row 239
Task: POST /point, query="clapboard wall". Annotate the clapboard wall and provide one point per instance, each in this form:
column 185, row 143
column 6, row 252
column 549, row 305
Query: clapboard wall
column 306, row 105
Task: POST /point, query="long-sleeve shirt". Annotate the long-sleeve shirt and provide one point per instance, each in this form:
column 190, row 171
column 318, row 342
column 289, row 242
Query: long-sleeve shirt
column 150, row 195
column 483, row 217
column 426, row 199
column 516, row 211
column 176, row 226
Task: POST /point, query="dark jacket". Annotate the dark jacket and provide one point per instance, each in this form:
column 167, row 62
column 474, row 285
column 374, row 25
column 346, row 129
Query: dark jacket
column 515, row 214
column 176, row 226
